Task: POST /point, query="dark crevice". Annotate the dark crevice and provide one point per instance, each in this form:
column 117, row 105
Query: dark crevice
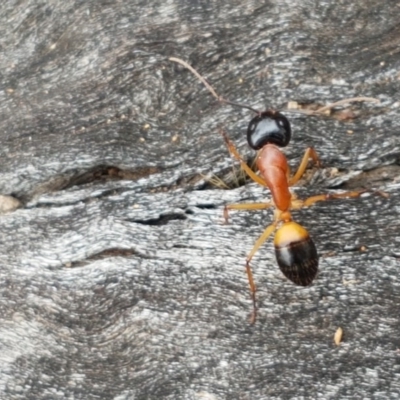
column 231, row 177
column 98, row 174
column 207, row 206
column 162, row 220
column 114, row 252
column 180, row 246
column 104, row 173
column 372, row 178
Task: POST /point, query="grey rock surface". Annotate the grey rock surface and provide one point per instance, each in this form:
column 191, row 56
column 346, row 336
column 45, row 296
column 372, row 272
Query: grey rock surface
column 118, row 277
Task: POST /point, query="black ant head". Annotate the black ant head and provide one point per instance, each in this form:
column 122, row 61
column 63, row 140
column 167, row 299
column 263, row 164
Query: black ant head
column 268, row 127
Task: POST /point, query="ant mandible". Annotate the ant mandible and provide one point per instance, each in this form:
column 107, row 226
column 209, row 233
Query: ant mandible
column 269, row 130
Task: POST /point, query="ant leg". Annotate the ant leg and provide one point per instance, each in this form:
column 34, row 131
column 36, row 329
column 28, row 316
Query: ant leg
column 265, row 235
column 245, row 206
column 235, row 153
column 323, row 197
column 309, row 153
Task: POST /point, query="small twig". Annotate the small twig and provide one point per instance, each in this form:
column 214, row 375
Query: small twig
column 344, row 101
column 332, row 105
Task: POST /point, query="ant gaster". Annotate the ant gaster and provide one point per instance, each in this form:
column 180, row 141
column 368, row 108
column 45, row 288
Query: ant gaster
column 269, row 130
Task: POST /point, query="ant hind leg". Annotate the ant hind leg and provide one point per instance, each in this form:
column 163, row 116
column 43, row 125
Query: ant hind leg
column 265, row 235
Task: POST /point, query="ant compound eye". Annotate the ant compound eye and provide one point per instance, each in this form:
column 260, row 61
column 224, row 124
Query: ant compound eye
column 268, row 127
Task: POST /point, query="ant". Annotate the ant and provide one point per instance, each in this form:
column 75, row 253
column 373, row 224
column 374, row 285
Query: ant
column 269, row 130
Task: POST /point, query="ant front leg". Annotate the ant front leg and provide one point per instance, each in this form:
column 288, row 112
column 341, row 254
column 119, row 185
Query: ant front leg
column 309, row 153
column 232, row 149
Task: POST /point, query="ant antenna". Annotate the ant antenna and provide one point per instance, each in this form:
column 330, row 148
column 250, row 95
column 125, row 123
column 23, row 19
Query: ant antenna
column 209, row 87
